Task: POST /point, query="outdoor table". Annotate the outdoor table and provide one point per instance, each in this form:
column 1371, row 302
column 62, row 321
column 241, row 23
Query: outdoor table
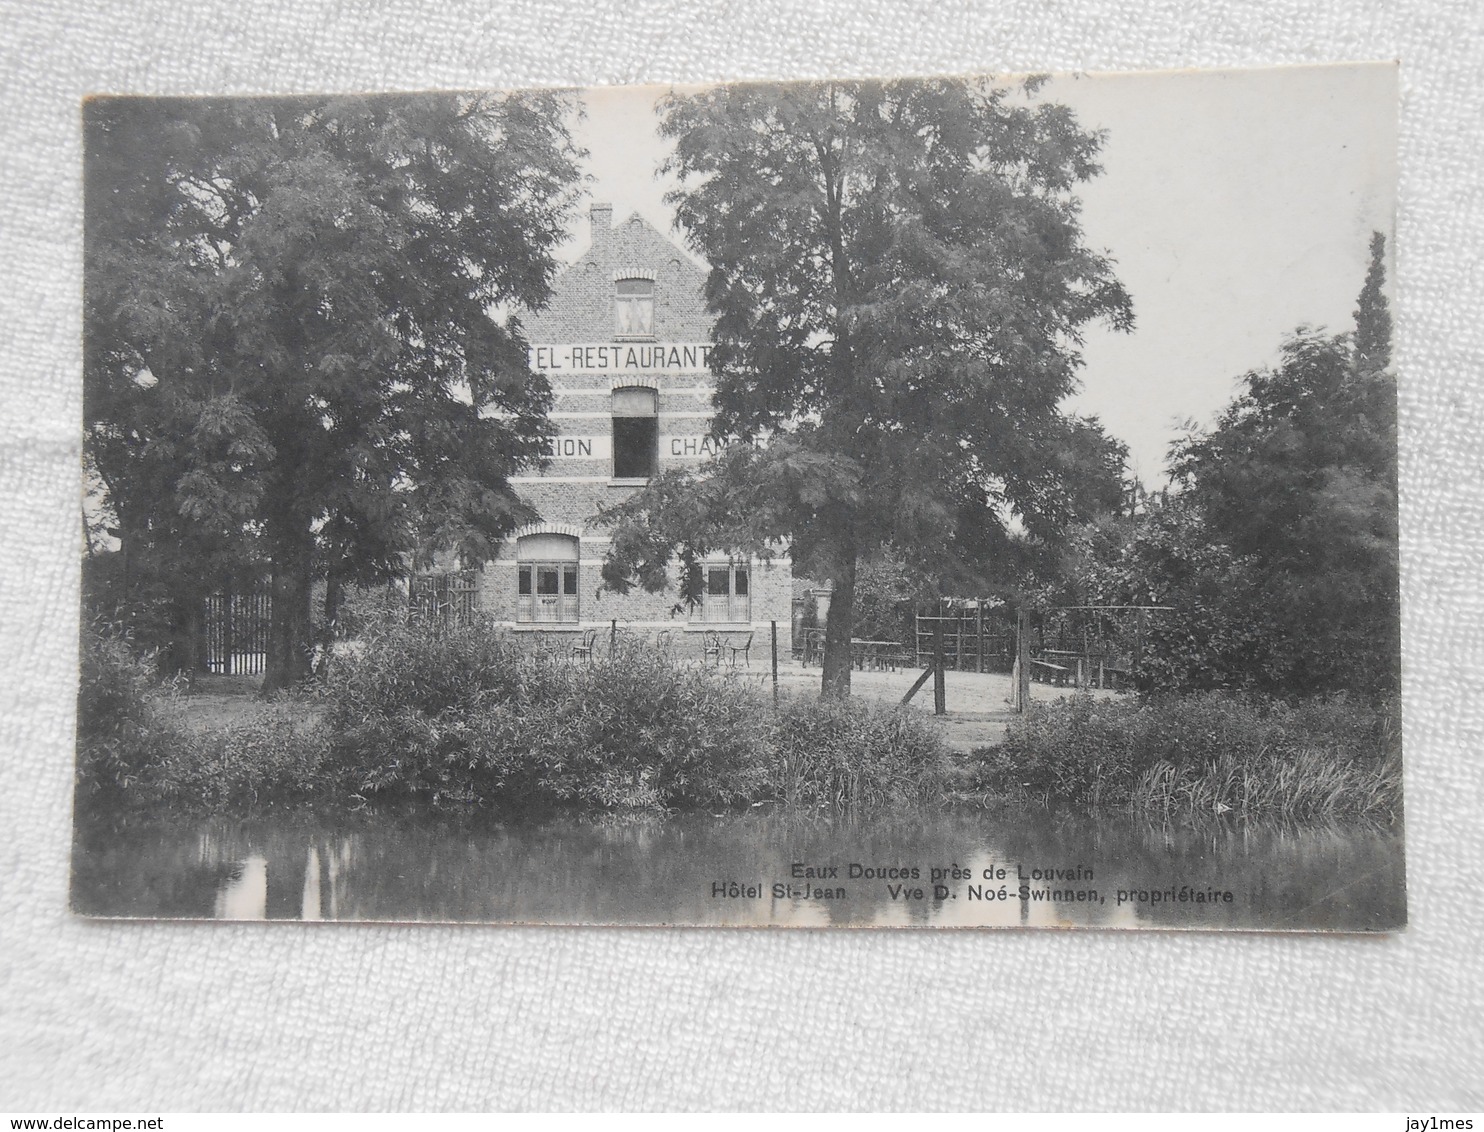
column 1087, row 664
column 872, row 654
column 1054, row 673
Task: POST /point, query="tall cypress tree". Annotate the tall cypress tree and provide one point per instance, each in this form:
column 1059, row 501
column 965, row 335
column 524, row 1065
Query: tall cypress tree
column 1372, row 313
column 1298, row 481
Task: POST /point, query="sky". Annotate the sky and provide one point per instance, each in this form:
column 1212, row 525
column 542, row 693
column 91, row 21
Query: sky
column 1236, row 205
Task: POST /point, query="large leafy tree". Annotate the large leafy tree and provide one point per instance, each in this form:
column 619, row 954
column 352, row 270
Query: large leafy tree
column 1277, row 542
column 900, row 283
column 291, row 355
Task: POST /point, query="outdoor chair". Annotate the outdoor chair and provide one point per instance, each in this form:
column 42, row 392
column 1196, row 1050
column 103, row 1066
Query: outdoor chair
column 583, row 650
column 543, row 647
column 711, row 647
column 744, row 648
column 663, row 643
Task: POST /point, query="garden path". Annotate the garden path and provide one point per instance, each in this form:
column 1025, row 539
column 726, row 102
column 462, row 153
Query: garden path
column 978, row 703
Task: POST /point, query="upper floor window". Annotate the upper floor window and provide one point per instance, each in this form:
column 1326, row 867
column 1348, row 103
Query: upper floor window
column 634, row 308
column 636, row 434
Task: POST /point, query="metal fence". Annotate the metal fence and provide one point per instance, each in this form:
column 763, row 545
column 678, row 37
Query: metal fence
column 972, row 641
column 236, row 630
column 446, row 598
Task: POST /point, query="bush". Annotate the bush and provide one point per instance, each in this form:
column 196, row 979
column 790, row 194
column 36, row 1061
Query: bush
column 460, row 713
column 1208, row 752
column 123, row 728
column 852, row 753
column 636, row 729
column 134, row 746
column 361, row 609
column 273, row 754
column 1076, row 750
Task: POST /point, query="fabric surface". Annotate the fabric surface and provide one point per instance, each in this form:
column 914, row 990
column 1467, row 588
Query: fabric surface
column 140, row 1017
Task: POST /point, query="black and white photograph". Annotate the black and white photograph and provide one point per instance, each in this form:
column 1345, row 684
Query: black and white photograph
column 953, row 502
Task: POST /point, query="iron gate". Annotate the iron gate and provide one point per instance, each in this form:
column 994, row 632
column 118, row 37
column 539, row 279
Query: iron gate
column 446, row 598
column 236, row 630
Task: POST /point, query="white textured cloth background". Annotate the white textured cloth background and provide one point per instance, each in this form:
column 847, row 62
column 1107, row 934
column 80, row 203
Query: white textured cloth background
column 140, row 1017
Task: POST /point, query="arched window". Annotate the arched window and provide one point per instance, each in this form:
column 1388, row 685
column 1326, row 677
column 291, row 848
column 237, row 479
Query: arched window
column 636, row 434
column 633, row 307
column 547, row 591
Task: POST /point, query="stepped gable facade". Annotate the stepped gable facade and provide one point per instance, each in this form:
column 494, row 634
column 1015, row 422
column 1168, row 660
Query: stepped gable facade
column 625, row 344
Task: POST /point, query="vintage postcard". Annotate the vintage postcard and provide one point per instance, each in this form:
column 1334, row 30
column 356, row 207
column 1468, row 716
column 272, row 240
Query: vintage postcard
column 943, row 502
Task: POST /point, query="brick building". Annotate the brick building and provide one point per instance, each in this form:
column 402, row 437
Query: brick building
column 625, row 343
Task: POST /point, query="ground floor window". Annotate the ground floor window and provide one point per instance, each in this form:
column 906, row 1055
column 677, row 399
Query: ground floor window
column 547, row 587
column 727, row 595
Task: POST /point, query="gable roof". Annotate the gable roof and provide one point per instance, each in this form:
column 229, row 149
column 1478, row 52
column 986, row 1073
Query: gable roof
column 580, row 308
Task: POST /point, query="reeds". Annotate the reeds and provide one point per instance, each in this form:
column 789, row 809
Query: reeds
column 847, row 754
column 1309, row 784
column 1205, row 754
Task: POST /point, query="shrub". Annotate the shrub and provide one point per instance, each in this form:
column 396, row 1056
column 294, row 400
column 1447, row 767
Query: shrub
column 1209, row 752
column 418, row 668
column 361, row 609
column 848, row 752
column 460, row 713
column 134, row 746
column 272, row 754
column 1077, row 749
column 123, row 727
column 636, row 727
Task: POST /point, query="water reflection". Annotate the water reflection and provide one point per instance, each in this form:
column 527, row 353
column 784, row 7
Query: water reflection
column 964, row 868
column 244, row 894
column 310, row 908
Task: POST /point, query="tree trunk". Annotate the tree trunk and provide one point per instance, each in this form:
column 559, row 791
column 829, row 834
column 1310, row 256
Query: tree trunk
column 291, row 628
column 184, row 653
column 195, row 621
column 838, row 624
column 333, row 594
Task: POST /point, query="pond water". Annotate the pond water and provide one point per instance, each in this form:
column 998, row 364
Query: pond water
column 1010, row 867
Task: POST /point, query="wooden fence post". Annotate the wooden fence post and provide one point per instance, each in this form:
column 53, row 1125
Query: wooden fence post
column 773, row 625
column 1139, row 640
column 940, row 697
column 1022, row 659
column 229, row 633
column 917, row 685
column 612, row 638
column 979, row 632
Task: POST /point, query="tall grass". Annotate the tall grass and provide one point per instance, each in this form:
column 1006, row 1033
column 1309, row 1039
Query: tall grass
column 1208, row 753
column 1308, row 783
column 851, row 753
